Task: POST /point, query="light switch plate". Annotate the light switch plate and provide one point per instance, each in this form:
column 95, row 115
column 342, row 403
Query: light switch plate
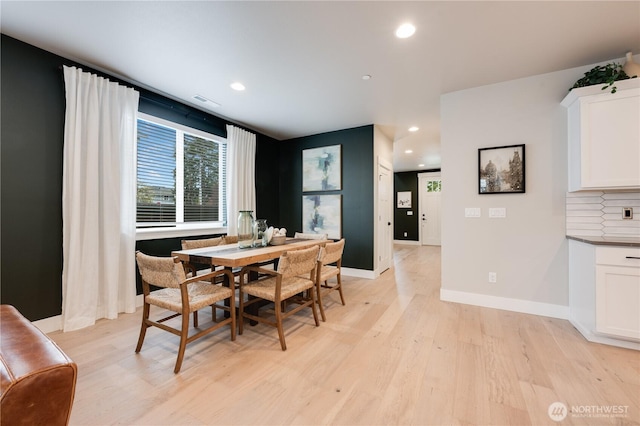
column 627, row 212
column 472, row 212
column 409, row 212
column 498, row 212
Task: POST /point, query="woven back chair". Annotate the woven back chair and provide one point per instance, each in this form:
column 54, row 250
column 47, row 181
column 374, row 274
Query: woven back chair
column 295, row 276
column 182, row 296
column 229, row 239
column 201, row 243
column 329, row 265
column 196, row 268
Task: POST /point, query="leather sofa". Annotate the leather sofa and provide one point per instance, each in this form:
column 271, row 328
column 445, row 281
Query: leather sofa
column 37, row 379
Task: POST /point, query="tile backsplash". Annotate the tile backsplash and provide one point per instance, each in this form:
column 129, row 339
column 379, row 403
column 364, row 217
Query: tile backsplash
column 599, row 214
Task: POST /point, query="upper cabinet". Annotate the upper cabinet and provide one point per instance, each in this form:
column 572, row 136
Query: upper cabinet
column 604, row 137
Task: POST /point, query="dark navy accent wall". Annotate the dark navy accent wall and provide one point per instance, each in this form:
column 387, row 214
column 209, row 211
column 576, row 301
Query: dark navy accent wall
column 405, row 181
column 357, row 189
column 33, row 107
column 31, row 194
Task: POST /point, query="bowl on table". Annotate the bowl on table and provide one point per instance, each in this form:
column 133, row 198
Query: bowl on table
column 278, row 240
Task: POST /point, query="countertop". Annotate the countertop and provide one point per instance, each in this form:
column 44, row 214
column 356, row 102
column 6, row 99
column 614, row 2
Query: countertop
column 608, row 241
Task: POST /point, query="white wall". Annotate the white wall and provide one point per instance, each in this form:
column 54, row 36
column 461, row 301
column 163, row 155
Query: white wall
column 528, row 249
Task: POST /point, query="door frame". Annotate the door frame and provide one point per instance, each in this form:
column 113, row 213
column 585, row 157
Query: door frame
column 382, row 228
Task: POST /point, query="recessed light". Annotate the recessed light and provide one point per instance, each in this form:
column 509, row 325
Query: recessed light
column 366, row 77
column 420, row 165
column 237, row 86
column 405, row 30
column 413, row 129
column 408, row 151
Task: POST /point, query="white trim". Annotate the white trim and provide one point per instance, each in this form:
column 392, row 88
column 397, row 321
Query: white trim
column 358, row 273
column 51, row 324
column 407, row 242
column 591, row 337
column 505, row 303
column 180, row 230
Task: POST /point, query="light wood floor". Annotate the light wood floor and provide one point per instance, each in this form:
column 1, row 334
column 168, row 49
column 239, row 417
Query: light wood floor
column 394, row 355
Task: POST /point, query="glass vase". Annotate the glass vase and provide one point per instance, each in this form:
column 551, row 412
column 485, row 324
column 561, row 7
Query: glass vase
column 260, row 233
column 245, row 228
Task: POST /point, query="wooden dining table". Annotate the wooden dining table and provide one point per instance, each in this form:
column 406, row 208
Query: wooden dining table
column 232, row 256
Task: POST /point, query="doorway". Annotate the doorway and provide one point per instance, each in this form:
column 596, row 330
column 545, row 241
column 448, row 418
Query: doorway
column 429, row 193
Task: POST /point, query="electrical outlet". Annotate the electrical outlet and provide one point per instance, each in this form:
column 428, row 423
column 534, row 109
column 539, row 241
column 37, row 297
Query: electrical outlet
column 493, row 277
column 405, row 234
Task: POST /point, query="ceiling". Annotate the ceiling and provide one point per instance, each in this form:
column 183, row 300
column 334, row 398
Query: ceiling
column 302, row 62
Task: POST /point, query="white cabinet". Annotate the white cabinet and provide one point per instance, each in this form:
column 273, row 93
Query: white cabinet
column 604, row 137
column 604, row 293
column 618, row 291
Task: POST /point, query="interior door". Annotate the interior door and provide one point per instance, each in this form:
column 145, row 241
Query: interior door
column 430, row 207
column 385, row 228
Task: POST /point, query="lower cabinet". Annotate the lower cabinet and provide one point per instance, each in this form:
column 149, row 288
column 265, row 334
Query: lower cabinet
column 618, row 291
column 604, row 293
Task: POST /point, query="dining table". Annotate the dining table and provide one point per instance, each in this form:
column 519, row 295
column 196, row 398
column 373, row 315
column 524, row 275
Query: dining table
column 231, row 256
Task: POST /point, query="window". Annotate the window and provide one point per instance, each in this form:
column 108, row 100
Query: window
column 180, row 175
column 434, row 186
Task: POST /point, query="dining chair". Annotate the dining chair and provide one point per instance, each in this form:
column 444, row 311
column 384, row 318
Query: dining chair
column 295, row 275
column 196, row 244
column 329, row 266
column 310, row 236
column 183, row 296
column 229, row 239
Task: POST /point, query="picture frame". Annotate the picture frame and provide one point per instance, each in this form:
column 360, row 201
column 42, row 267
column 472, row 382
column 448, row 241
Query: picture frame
column 322, row 168
column 322, row 214
column 404, row 200
column 501, row 170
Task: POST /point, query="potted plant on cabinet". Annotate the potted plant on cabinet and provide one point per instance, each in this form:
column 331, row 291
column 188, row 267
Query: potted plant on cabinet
column 602, row 74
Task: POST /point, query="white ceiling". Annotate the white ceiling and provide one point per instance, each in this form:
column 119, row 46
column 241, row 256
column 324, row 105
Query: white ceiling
column 303, row 62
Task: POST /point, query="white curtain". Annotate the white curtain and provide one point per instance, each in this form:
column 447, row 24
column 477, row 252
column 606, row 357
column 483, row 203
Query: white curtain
column 98, row 199
column 241, row 175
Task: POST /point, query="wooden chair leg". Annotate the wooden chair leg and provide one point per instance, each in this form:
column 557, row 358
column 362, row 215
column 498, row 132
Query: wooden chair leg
column 340, row 289
column 313, row 305
column 241, row 314
column 143, row 327
column 279, row 325
column 183, row 342
column 319, row 292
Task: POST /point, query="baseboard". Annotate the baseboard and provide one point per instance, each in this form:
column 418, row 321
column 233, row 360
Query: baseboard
column 358, row 273
column 596, row 338
column 505, row 303
column 51, row 324
column 407, row 242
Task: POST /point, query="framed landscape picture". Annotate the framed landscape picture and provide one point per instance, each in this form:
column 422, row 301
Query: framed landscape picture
column 322, row 214
column 321, row 169
column 501, row 170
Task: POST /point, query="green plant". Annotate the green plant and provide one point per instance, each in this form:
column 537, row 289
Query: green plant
column 602, row 74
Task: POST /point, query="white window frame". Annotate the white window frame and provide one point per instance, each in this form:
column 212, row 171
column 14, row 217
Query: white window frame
column 180, row 228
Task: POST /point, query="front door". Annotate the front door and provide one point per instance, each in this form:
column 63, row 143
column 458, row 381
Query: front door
column 430, row 191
